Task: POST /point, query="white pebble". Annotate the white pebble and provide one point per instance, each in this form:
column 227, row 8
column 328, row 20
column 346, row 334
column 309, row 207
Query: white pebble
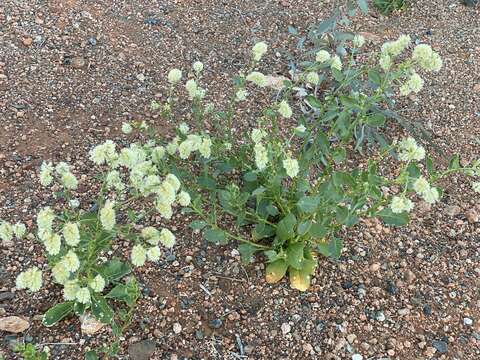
column 177, row 328
column 357, row 357
column 467, row 321
column 286, row 328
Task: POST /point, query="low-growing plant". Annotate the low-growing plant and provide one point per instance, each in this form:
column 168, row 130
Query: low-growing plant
column 79, row 243
column 30, row 352
column 285, row 190
column 288, row 192
column 388, row 6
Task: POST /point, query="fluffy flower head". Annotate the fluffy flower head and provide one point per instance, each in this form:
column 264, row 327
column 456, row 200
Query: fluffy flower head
column 46, row 170
column 285, row 110
column 139, row 255
column 184, row 198
column 291, row 167
column 257, row 78
column 261, row 156
column 322, row 56
column 258, row 50
column 167, row 238
column 174, row 76
column 400, row 204
column 30, row 279
column 409, row 150
column 97, row 284
column 107, row 215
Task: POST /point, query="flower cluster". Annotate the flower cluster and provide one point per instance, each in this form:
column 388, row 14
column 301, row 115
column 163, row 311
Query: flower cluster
column 30, row 279
column 7, row 230
column 151, row 251
column 63, row 173
column 409, row 150
column 428, row 59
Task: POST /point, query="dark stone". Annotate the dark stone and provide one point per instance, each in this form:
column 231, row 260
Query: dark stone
column 441, row 346
column 92, row 41
column 427, row 310
column 199, row 335
column 5, row 296
column 470, row 3
column 347, row 284
column 152, row 21
column 391, row 288
column 216, row 323
column 320, row 325
column 142, row 350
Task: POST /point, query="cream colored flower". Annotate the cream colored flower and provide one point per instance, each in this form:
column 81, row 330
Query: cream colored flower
column 258, row 50
column 83, row 296
column 400, row 204
column 174, row 76
column 257, row 78
column 30, row 279
column 71, row 234
column 291, row 167
column 322, row 56
column 184, row 198
column 285, row 110
column 167, row 238
column 97, row 284
column 139, row 255
column 107, row 215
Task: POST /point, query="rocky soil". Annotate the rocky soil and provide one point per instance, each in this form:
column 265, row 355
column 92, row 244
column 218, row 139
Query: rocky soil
column 72, row 71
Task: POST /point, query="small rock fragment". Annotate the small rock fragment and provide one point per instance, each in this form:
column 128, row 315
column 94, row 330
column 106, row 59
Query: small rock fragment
column 89, row 325
column 13, row 324
column 177, row 328
column 142, row 350
column 440, row 346
column 78, row 62
column 27, row 41
column 374, row 267
column 286, row 328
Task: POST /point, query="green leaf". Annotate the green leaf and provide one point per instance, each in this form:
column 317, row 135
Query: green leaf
column 250, row 176
column 429, row 165
column 363, row 5
column 374, row 77
column 335, row 247
column 57, row 313
column 91, row 355
column 318, row 230
column 337, row 75
column 286, row 227
column 313, row 102
column 339, row 155
column 304, row 227
column 295, row 255
column 262, row 230
column 454, row 163
column 344, row 216
column 375, row 120
column 216, row 236
column 101, row 310
column 79, row 308
column 324, row 249
column 246, row 252
column 391, row 218
column 114, row 270
column 207, row 182
column 198, row 224
column 308, row 204
column 123, row 293
column 275, row 271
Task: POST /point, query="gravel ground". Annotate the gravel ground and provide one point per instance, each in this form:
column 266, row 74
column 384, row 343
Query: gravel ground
column 72, row 71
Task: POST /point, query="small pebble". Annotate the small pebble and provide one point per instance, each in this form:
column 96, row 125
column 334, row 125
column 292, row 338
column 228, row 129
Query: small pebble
column 286, row 328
